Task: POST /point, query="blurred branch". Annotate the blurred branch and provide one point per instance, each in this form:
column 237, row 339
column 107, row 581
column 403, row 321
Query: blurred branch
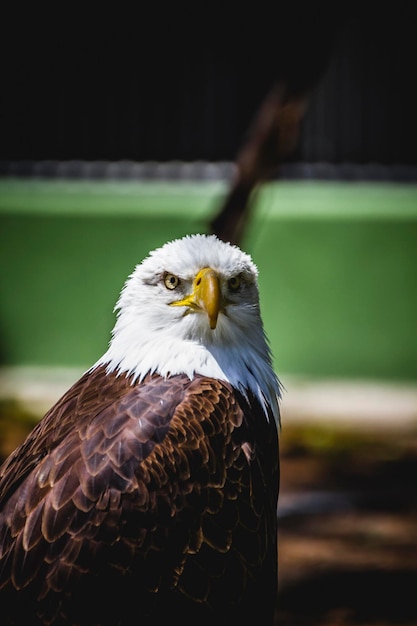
column 271, row 140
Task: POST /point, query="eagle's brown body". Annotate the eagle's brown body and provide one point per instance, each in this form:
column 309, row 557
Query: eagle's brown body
column 141, row 504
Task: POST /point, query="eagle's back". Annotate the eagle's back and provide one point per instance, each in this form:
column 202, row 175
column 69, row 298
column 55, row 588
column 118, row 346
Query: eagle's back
column 129, row 502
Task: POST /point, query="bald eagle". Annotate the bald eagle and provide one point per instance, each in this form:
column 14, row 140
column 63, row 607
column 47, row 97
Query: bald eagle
column 148, row 492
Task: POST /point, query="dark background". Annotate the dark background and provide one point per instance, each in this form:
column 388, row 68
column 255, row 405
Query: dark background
column 168, row 84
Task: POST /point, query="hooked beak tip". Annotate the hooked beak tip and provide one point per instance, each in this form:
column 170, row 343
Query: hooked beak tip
column 208, row 294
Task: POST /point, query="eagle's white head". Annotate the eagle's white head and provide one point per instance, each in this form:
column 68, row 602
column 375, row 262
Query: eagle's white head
column 192, row 307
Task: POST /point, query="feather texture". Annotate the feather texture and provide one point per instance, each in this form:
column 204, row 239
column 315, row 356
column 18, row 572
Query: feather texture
column 146, row 488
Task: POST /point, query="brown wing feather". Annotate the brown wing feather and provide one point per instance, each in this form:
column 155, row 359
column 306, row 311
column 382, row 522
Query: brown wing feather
column 141, row 499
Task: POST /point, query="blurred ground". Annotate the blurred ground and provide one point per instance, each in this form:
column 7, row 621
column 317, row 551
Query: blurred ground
column 348, row 505
column 348, row 502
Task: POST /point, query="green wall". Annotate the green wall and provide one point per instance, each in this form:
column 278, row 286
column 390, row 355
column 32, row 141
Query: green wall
column 337, row 261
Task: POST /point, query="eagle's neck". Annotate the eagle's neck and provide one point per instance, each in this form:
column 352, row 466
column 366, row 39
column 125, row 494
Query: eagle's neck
column 243, row 361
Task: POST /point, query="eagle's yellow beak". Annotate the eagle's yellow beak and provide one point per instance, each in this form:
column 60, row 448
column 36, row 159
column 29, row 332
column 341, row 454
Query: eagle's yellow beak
column 206, row 295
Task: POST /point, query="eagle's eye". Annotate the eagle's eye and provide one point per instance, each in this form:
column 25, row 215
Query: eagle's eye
column 171, row 281
column 235, row 282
